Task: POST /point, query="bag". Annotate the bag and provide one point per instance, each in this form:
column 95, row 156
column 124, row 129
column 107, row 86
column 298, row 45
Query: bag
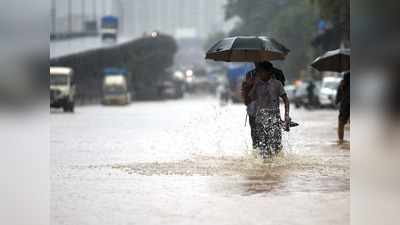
column 252, row 108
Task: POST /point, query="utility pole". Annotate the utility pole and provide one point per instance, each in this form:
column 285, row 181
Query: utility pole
column 121, row 15
column 83, row 8
column 53, row 16
column 94, row 11
column 103, row 7
column 69, row 16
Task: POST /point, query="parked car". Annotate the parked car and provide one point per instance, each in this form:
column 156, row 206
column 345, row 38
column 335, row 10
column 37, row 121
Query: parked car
column 170, row 90
column 327, row 94
column 301, row 98
column 290, row 91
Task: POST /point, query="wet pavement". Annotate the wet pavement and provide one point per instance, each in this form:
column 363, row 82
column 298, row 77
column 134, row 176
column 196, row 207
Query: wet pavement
column 189, row 162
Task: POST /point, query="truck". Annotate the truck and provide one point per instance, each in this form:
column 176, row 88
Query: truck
column 62, row 88
column 109, row 28
column 236, row 74
column 116, row 86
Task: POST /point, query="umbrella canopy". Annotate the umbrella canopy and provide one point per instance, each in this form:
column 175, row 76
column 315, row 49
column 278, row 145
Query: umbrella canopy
column 337, row 61
column 247, row 49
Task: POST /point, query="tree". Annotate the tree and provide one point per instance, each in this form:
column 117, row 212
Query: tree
column 337, row 12
column 295, row 26
column 291, row 22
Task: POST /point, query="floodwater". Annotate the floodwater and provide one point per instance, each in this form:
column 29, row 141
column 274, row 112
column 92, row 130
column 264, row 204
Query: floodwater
column 189, row 162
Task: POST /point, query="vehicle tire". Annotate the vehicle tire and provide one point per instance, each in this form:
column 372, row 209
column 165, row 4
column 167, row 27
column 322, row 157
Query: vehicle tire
column 72, row 106
column 69, row 107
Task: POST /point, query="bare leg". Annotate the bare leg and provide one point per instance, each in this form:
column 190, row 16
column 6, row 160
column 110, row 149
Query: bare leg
column 340, row 131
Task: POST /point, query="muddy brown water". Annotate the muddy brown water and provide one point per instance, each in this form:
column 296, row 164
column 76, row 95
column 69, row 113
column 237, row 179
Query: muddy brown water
column 188, row 162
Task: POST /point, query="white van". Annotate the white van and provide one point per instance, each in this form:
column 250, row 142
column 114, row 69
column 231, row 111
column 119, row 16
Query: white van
column 62, row 88
column 327, row 93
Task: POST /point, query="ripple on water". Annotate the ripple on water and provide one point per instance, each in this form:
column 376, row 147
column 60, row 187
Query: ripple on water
column 284, row 172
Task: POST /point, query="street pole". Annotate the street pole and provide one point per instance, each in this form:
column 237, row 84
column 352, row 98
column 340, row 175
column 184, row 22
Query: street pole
column 121, row 15
column 94, row 11
column 103, row 8
column 69, row 16
column 53, row 16
column 83, row 15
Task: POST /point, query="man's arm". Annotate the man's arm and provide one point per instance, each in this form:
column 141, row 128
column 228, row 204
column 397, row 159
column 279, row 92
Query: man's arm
column 247, row 85
column 287, row 106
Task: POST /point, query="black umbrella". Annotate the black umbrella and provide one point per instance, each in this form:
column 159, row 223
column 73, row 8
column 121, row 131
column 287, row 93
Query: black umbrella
column 247, row 49
column 337, row 61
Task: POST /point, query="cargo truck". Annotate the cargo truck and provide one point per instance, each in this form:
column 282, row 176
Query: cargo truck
column 109, row 28
column 116, row 86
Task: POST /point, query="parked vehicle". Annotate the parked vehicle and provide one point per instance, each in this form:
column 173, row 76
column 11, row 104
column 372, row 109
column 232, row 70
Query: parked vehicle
column 62, row 88
column 115, row 86
column 170, row 90
column 290, row 91
column 109, row 27
column 301, row 97
column 327, row 94
column 199, row 81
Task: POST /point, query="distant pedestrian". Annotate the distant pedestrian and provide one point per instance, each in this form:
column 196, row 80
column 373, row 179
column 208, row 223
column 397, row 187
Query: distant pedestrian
column 343, row 99
column 223, row 93
column 265, row 94
column 310, row 94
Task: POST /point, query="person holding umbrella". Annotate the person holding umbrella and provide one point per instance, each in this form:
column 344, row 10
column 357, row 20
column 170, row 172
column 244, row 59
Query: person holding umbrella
column 265, row 94
column 343, row 99
column 263, row 103
column 338, row 61
column 247, row 85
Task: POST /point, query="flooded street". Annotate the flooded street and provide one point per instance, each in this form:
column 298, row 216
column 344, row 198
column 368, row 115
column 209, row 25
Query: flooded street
column 190, row 162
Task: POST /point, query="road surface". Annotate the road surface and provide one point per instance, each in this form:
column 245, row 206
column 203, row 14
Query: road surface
column 189, row 162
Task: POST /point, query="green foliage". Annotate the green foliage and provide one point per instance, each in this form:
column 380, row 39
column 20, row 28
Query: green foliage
column 291, row 22
column 338, row 13
column 330, row 10
column 295, row 26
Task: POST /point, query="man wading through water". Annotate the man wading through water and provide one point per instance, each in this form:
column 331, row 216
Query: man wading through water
column 261, row 90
